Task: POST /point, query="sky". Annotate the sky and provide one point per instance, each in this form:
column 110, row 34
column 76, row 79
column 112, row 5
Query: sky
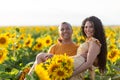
column 53, row 12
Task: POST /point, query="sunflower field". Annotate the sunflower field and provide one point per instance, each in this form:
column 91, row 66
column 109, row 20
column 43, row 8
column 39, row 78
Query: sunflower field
column 19, row 46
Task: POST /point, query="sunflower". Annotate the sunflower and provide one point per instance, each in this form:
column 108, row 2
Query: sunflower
column 22, row 36
column 48, row 41
column 113, row 55
column 41, row 72
column 58, row 58
column 60, row 66
column 4, row 41
column 55, row 68
column 39, row 40
column 37, row 29
column 22, row 30
column 8, row 34
column 64, row 59
column 69, row 62
column 13, row 35
column 60, row 74
column 52, row 28
column 38, row 46
column 16, row 46
column 52, row 67
column 28, row 42
column 3, row 54
column 69, row 70
column 112, row 46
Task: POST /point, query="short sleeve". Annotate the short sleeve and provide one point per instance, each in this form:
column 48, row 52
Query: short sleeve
column 97, row 42
column 52, row 49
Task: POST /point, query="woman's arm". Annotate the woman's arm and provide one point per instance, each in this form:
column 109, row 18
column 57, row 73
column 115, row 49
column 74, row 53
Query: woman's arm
column 93, row 51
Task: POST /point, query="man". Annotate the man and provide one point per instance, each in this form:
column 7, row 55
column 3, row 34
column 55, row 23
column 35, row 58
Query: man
column 64, row 45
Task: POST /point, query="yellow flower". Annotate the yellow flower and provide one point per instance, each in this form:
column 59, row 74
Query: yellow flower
column 69, row 70
column 113, row 55
column 61, row 67
column 28, row 42
column 8, row 34
column 41, row 72
column 52, row 67
column 13, row 35
column 37, row 29
column 38, row 46
column 112, row 46
column 39, row 40
column 53, row 28
column 22, row 30
column 22, row 36
column 55, row 68
column 63, row 59
column 60, row 74
column 48, row 41
column 16, row 46
column 3, row 54
column 4, row 41
column 112, row 40
column 69, row 61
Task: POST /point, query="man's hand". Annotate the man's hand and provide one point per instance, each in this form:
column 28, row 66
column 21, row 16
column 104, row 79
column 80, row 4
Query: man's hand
column 48, row 56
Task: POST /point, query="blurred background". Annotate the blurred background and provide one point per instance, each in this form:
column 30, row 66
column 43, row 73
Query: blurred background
column 53, row 12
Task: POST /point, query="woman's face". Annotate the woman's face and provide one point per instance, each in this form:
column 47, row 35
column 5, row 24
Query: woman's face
column 65, row 31
column 89, row 29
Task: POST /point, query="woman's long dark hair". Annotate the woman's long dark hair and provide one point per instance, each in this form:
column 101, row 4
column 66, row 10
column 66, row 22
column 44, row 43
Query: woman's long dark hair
column 100, row 35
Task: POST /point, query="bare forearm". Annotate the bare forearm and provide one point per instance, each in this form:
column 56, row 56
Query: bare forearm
column 81, row 68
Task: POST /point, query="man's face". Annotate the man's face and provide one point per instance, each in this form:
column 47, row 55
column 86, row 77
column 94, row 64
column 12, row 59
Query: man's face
column 65, row 32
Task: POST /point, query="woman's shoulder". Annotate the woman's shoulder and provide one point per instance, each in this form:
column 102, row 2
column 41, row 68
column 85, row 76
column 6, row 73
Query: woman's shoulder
column 94, row 40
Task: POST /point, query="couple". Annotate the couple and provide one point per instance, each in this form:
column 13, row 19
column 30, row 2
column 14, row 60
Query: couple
column 93, row 50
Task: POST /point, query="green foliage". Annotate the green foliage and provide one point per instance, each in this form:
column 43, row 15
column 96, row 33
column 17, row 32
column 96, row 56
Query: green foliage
column 23, row 57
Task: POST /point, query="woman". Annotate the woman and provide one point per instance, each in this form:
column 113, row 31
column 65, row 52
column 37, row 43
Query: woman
column 93, row 50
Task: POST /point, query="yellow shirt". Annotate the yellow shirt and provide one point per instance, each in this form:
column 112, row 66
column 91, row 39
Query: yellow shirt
column 59, row 48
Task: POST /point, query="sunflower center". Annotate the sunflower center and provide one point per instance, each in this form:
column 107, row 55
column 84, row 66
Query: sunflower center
column 47, row 41
column 112, row 55
column 28, row 42
column 17, row 47
column 39, row 45
column 8, row 35
column 59, row 61
column 54, row 67
column 2, row 40
column 60, row 73
column 21, row 37
column 111, row 47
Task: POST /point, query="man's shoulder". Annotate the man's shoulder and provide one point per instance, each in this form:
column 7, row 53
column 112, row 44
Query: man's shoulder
column 76, row 45
column 54, row 45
